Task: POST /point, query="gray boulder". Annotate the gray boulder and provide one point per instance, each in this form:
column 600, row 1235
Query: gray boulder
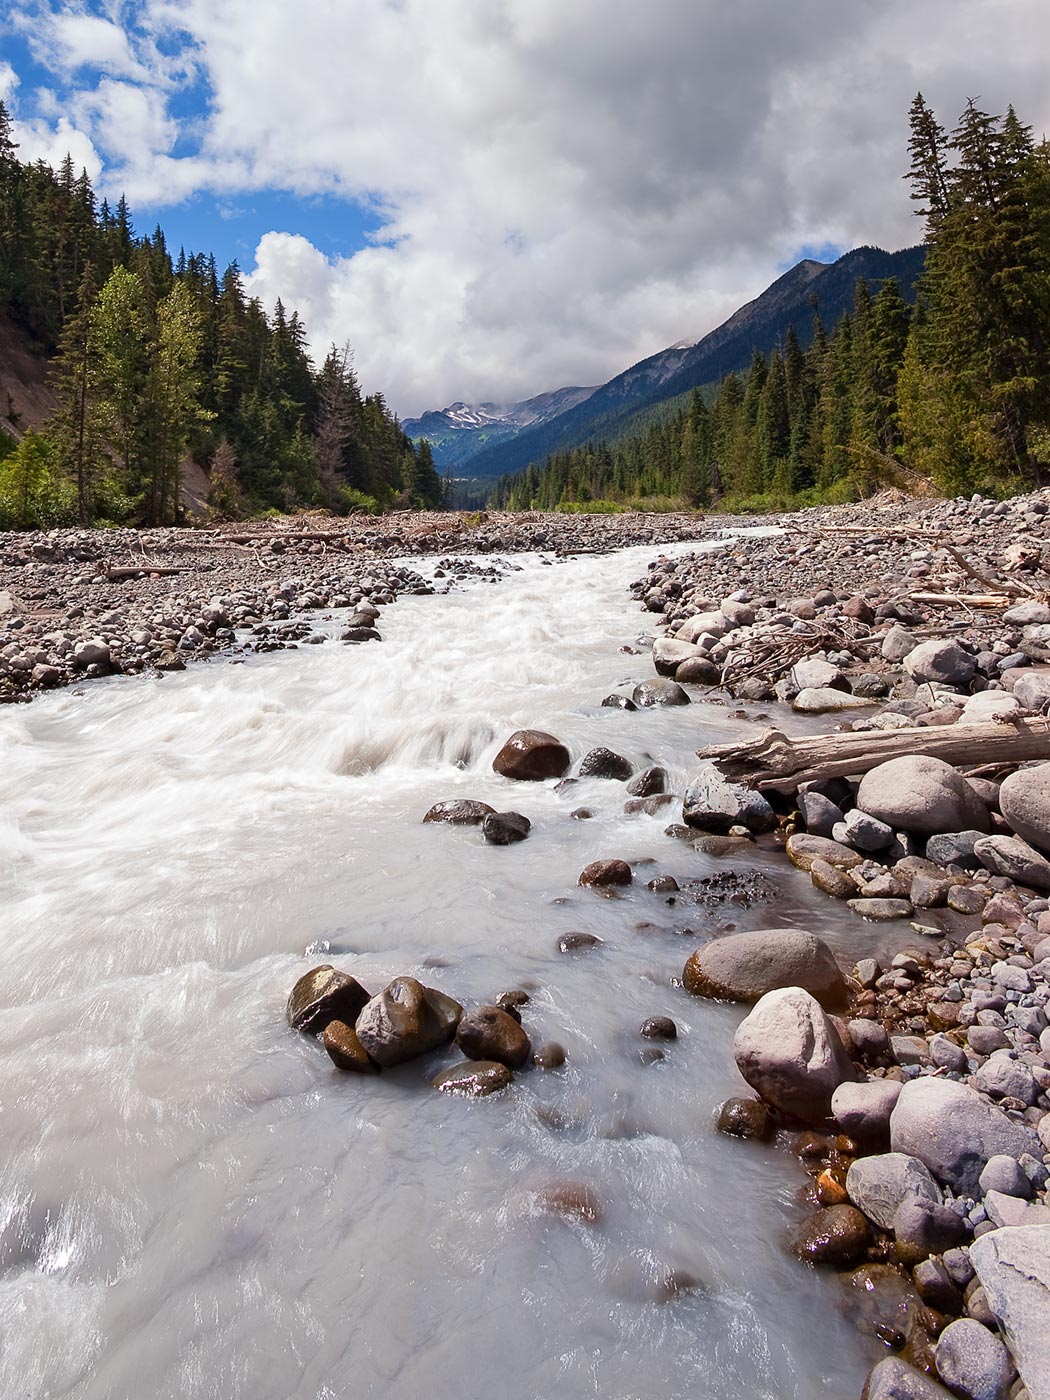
column 1014, row 1269
column 880, row 1185
column 828, row 701
column 954, row 1131
column 921, row 794
column 894, row 1379
column 897, row 643
column 712, row 804
column 1026, row 614
column 814, row 673
column 1032, row 688
column 819, row 813
column 669, row 653
column 1010, row 856
column 660, row 692
column 863, row 1111
column 790, row 1053
column 406, row 1019
column 1005, row 1174
column 943, row 662
column 1024, row 800
column 745, row 966
column 864, row 832
column 973, row 1362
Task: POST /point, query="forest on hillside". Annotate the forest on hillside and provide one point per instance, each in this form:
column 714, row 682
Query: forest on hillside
column 154, row 358
column 954, row 391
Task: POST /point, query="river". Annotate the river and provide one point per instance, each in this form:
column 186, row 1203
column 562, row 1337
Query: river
column 195, row 1205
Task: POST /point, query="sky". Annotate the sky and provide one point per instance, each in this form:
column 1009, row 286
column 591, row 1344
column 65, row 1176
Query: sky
column 491, row 198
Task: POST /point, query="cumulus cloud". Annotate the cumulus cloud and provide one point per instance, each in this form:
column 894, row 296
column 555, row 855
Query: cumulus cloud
column 561, row 188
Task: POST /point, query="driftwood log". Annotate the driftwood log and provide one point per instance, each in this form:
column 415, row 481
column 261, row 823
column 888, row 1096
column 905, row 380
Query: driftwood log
column 775, row 762
column 119, row 573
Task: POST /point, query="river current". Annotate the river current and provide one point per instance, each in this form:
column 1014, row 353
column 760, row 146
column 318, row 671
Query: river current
column 196, row 1205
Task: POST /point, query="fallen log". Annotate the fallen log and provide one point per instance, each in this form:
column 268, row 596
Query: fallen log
column 966, row 600
column 774, row 761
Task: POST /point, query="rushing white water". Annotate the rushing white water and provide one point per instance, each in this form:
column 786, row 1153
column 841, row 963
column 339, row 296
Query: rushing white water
column 195, row 1204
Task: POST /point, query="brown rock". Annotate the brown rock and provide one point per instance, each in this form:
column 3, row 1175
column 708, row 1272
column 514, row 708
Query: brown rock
column 474, row 1079
column 831, row 880
column 321, row 995
column 530, row 755
column 745, row 966
column 834, row 1236
column 577, row 942
column 489, row 1033
column 659, row 1028
column 803, row 849
column 345, row 1050
column 549, row 1056
column 406, row 1019
column 461, row 811
column 745, row 1118
column 606, row 872
column 571, row 1199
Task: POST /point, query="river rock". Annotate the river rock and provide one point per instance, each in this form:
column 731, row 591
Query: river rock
column 1014, row 858
column 603, row 763
column 574, row 1200
column 953, row 1130
column 661, row 692
column 459, row 811
column 1014, row 1269
column 863, row 1110
column 988, row 706
column 791, row 1054
column 880, row 910
column 406, row 1019
column 474, row 1079
column 1024, row 800
column 549, row 1056
column 619, row 702
column 745, row 966
column 745, row 1118
column 1032, row 688
column 697, row 670
column 834, row 1236
column 1007, row 1175
column 814, row 673
column 490, row 1033
column 714, row 805
column 954, row 848
column 819, row 813
column 505, row 828
column 922, row 1228
column 828, row 701
column 345, row 1049
column 650, row 782
column 878, row 1185
column 659, row 1028
column 530, row 755
column 578, row 942
column 894, row 1379
column 922, row 795
column 716, row 623
column 324, row 994
column 803, row 849
column 943, row 662
column 669, row 653
column 831, row 880
column 973, row 1362
column 606, row 872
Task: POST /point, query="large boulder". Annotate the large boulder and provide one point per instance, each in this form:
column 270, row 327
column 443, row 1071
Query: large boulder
column 669, row 653
column 922, row 795
column 406, row 1019
column 489, row 1033
column 322, row 995
column 1032, row 687
column 660, row 692
column 1024, row 800
column 790, row 1053
column 943, row 662
column 530, row 755
column 972, row 1361
column 894, row 1379
column 880, row 1185
column 603, row 763
column 745, row 966
column 954, row 1131
column 863, row 1110
column 712, row 804
column 716, row 623
column 1014, row 1270
column 1014, row 858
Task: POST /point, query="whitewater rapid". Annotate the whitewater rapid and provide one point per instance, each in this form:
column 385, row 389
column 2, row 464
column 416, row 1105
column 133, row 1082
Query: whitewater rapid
column 195, row 1204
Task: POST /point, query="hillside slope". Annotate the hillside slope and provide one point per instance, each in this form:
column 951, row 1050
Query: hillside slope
column 26, row 399
column 791, row 300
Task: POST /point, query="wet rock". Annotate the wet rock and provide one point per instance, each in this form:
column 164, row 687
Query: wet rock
column 406, row 1019
column 803, row 849
column 745, row 1118
column 669, row 653
column 922, row 1228
column 660, row 692
column 573, row 1200
column 894, row 1379
column 663, row 884
column 549, row 1056
column 711, row 804
column 505, row 828
column 530, row 755
column 973, row 1362
column 578, row 942
column 490, row 1033
column 474, row 1079
column 360, row 634
column 324, row 994
column 833, row 1236
column 745, row 966
column 922, row 795
column 831, row 880
column 697, row 670
column 1014, row 858
column 791, row 1054
column 619, row 702
column 345, row 1049
column 603, row 763
column 881, row 910
column 459, row 811
column 648, row 783
column 606, row 872
column 879, row 1185
column 953, row 1130
column 659, row 1028
column 651, row 806
column 863, row 1110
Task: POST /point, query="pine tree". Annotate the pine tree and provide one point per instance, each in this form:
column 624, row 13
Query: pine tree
column 78, row 429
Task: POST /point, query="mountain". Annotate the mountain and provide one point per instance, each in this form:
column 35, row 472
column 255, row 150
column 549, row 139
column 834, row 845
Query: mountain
column 626, row 403
column 460, row 431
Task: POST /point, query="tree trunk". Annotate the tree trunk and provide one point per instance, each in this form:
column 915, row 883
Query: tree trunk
column 781, row 764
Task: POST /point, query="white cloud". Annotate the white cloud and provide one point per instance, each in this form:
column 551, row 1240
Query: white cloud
column 564, row 188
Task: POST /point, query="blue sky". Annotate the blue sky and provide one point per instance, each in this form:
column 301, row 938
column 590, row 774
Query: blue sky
column 492, row 198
